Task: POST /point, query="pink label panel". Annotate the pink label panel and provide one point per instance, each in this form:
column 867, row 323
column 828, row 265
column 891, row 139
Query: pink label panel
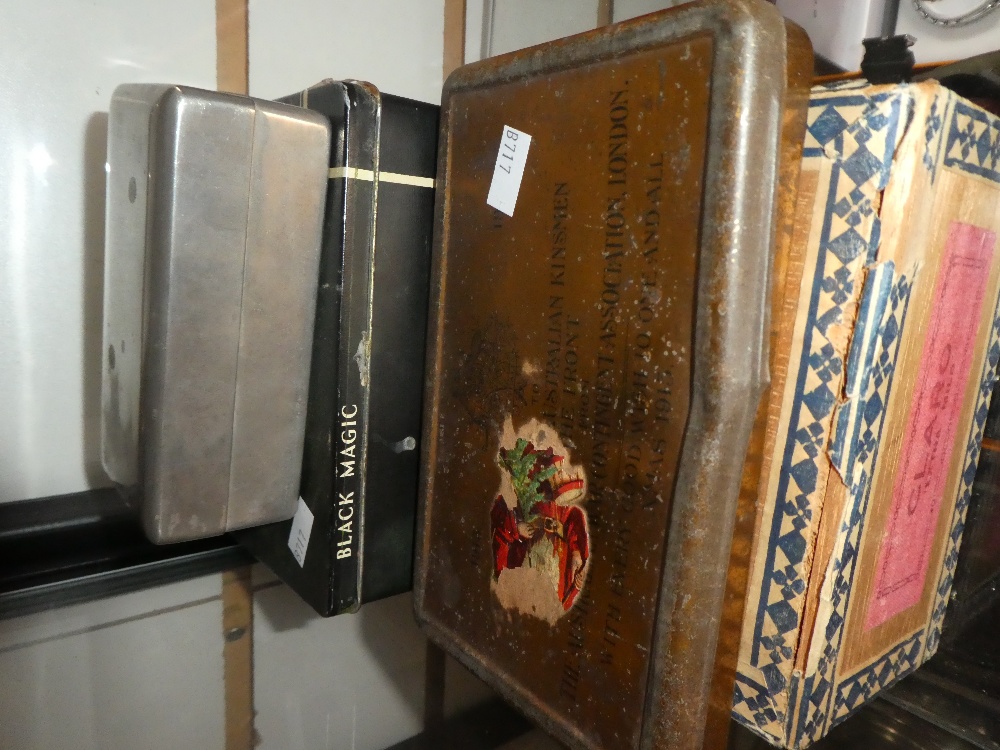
column 929, row 439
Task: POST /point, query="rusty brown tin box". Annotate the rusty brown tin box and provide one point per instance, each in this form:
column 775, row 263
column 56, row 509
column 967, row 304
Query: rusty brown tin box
column 597, row 360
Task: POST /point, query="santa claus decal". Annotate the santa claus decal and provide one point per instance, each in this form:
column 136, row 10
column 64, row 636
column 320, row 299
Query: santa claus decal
column 541, row 544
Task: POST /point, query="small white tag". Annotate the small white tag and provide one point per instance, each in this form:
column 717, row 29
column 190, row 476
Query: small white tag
column 507, row 173
column 298, row 539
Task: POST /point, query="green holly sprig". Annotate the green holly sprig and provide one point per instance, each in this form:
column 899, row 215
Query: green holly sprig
column 519, row 462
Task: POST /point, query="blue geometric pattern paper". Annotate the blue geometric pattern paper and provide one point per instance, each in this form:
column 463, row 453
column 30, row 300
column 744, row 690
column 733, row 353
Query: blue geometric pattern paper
column 829, row 406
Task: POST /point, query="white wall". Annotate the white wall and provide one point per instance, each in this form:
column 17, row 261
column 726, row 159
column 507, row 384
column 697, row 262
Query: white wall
column 354, row 681
column 939, row 44
column 59, row 63
column 395, row 44
column 141, row 670
column 631, row 8
column 499, row 26
column 523, row 23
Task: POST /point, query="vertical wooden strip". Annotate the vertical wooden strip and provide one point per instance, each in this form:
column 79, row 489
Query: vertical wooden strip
column 454, row 35
column 232, row 33
column 237, row 658
column 232, row 74
column 434, row 670
column 605, row 12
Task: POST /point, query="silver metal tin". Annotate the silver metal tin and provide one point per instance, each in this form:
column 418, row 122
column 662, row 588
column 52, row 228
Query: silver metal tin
column 214, row 218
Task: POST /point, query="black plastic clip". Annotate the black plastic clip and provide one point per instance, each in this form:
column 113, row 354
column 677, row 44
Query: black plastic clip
column 888, row 59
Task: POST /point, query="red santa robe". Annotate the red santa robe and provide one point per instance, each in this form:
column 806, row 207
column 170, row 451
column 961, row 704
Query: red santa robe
column 510, row 548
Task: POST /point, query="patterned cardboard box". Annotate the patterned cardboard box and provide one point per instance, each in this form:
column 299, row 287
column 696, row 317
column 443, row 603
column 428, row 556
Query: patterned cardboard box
column 878, row 404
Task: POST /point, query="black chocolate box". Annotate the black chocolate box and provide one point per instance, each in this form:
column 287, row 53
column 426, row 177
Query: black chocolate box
column 359, row 474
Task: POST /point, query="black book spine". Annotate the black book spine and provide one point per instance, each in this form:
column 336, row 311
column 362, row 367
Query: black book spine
column 319, row 465
column 358, row 175
column 361, row 459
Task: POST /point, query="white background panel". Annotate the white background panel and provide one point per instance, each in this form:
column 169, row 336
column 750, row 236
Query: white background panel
column 937, row 43
column 90, row 616
column 523, row 23
column 474, row 19
column 631, row 8
column 352, row 682
column 837, row 27
column 153, row 682
column 398, row 46
column 59, row 63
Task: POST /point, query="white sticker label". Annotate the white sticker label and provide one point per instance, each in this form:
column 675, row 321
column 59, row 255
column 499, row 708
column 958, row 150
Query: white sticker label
column 298, row 539
column 507, row 173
